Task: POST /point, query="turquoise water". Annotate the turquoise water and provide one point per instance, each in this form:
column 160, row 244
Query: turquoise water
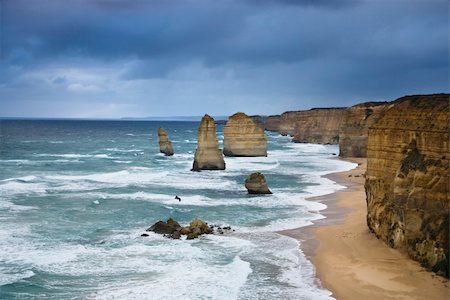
column 77, row 195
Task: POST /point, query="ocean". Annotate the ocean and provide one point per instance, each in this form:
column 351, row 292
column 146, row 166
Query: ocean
column 77, row 195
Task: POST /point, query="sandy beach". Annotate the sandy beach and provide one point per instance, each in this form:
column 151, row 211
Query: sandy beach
column 350, row 261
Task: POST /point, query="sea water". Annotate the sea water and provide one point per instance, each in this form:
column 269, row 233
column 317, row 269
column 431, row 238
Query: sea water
column 77, row 195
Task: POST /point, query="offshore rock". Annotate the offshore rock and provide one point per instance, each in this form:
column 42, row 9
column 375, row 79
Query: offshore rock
column 243, row 137
column 165, row 145
column 318, row 125
column 256, row 183
column 208, row 156
column 407, row 188
column 355, row 127
column 272, row 123
column 173, row 230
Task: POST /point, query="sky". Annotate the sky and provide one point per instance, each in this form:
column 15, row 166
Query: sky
column 136, row 58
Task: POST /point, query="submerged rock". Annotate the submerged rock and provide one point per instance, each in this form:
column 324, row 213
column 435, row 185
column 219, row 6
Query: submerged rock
column 165, row 145
column 244, row 137
column 256, row 184
column 208, row 156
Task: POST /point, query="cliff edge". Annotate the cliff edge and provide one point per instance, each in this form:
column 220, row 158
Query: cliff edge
column 407, row 180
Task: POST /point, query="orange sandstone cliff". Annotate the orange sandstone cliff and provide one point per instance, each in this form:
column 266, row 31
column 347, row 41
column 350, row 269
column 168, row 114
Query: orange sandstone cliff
column 355, row 127
column 244, row 137
column 318, row 125
column 407, row 180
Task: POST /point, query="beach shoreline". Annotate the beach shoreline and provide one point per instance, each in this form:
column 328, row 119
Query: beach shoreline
column 350, row 261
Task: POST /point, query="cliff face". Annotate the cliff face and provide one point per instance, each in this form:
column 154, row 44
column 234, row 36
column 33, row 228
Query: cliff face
column 319, row 125
column 243, row 137
column 208, row 156
column 407, row 181
column 272, row 123
column 287, row 122
column 355, row 127
column 165, row 145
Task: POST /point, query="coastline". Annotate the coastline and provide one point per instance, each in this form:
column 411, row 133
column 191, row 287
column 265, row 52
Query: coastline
column 350, row 261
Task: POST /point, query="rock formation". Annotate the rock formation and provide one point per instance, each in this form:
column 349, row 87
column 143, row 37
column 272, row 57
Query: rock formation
column 355, row 127
column 407, row 180
column 272, row 123
column 165, row 145
column 243, row 137
column 259, row 121
column 208, row 156
column 287, row 122
column 172, row 229
column 256, row 183
column 318, row 125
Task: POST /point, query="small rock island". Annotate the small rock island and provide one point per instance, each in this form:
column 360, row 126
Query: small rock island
column 165, row 145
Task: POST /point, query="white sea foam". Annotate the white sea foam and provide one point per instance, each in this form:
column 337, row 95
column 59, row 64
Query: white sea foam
column 74, row 155
column 6, row 277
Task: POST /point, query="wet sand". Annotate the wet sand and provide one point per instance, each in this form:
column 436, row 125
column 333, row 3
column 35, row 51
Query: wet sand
column 350, row 261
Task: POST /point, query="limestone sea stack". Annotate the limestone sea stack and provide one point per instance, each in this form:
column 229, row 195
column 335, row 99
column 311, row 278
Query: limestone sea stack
column 165, row 145
column 318, row 125
column 208, row 156
column 256, row 183
column 407, row 180
column 355, row 127
column 243, row 137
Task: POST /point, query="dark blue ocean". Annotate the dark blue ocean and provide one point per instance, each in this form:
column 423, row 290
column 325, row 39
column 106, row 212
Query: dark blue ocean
column 75, row 196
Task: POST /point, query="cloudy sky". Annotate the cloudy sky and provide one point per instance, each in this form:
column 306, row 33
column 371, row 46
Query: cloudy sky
column 115, row 58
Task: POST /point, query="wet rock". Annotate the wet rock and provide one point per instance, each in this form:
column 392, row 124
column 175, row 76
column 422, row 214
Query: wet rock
column 144, row 234
column 176, row 235
column 256, row 184
column 162, row 227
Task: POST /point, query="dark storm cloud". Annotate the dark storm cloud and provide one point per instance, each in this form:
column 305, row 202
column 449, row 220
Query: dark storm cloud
column 308, row 52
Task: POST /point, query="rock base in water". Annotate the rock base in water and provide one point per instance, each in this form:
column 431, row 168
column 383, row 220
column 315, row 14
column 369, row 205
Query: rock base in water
column 173, row 230
column 165, row 145
column 256, row 184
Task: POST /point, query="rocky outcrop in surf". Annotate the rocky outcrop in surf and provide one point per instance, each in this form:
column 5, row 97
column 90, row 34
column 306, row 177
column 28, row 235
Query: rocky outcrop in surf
column 318, row 125
column 355, row 127
column 256, row 183
column 243, row 137
column 208, row 156
column 407, row 179
column 165, row 145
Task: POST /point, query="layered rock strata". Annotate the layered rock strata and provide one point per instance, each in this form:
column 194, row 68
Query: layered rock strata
column 286, row 125
column 272, row 123
column 407, row 180
column 243, row 137
column 208, row 156
column 318, row 125
column 355, row 127
column 256, row 183
column 165, row 145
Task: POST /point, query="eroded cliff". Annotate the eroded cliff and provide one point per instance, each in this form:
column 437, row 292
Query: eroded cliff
column 318, row 125
column 272, row 123
column 355, row 125
column 243, row 137
column 407, row 180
